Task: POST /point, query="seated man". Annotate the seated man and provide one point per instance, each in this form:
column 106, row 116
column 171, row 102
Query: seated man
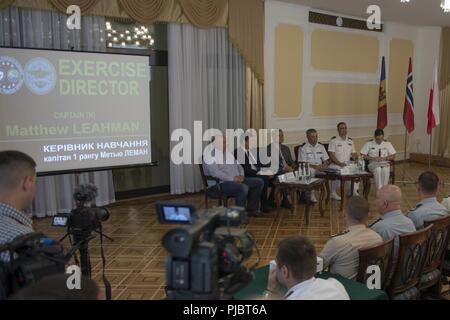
column 251, row 168
column 286, row 163
column 393, row 222
column 428, row 208
column 446, row 203
column 315, row 154
column 17, row 189
column 378, row 152
column 295, row 270
column 220, row 164
column 341, row 151
column 341, row 253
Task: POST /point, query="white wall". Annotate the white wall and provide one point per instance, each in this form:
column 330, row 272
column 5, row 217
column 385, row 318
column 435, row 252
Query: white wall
column 426, row 48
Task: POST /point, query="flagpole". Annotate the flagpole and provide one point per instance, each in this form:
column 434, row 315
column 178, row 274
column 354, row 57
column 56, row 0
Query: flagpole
column 431, row 145
column 404, row 155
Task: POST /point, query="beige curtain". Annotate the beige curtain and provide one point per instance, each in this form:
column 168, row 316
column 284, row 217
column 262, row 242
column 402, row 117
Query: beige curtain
column 244, row 18
column 85, row 5
column 147, row 11
column 205, row 13
column 246, row 29
column 5, row 3
column 442, row 143
column 254, row 101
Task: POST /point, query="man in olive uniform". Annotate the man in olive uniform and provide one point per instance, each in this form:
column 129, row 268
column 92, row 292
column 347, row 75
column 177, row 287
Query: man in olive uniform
column 341, row 253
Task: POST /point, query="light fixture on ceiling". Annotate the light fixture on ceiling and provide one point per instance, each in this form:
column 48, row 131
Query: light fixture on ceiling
column 404, row 1
column 445, row 5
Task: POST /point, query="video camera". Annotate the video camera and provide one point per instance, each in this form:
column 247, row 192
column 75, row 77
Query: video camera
column 82, row 221
column 27, row 259
column 208, row 257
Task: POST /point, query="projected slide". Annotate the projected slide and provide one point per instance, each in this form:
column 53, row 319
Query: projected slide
column 72, row 110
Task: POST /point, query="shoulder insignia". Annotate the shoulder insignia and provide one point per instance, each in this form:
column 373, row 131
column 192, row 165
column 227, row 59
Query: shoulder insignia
column 417, row 207
column 333, row 138
column 340, row 234
column 350, row 138
column 375, row 223
column 302, row 145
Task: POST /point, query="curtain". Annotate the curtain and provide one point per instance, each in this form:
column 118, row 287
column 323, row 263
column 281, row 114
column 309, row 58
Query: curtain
column 47, row 29
column 85, row 5
column 442, row 143
column 206, row 83
column 204, row 13
column 246, row 25
column 254, row 102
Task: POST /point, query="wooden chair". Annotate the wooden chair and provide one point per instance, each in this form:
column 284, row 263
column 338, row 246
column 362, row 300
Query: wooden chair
column 413, row 252
column 381, row 256
column 210, row 193
column 432, row 271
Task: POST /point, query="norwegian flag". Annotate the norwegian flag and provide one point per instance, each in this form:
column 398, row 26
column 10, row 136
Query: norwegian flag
column 408, row 112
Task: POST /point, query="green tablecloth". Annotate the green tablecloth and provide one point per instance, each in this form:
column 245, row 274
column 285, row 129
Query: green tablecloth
column 356, row 290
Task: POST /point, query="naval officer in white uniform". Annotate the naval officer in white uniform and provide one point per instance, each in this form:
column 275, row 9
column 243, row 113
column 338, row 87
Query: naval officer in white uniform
column 379, row 152
column 341, row 150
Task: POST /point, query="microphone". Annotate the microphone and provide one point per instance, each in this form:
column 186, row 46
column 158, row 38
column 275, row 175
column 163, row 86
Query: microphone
column 379, row 152
column 85, row 193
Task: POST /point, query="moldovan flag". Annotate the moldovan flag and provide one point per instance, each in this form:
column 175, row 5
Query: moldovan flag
column 408, row 112
column 433, row 106
column 382, row 102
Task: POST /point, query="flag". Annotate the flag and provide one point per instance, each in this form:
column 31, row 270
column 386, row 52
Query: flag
column 382, row 102
column 433, row 105
column 408, row 112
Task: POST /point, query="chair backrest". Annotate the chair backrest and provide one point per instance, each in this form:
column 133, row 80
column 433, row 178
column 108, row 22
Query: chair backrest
column 412, row 254
column 381, row 256
column 202, row 172
column 440, row 236
column 296, row 148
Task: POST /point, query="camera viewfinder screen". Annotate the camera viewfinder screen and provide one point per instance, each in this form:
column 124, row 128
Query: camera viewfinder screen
column 59, row 221
column 177, row 214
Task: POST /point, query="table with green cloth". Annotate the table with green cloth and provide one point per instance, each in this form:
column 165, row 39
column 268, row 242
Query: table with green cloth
column 356, row 290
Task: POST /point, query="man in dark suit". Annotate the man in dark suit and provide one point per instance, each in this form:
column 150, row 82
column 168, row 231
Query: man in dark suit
column 286, row 163
column 251, row 167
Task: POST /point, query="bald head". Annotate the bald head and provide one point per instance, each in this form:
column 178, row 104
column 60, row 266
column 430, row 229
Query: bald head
column 389, row 198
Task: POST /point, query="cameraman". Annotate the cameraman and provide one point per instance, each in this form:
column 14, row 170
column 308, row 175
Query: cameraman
column 17, row 189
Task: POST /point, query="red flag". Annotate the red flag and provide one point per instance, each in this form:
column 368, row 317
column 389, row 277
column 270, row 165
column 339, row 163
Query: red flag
column 433, row 105
column 382, row 102
column 408, row 112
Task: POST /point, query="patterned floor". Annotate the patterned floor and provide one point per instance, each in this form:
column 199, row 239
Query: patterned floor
column 136, row 261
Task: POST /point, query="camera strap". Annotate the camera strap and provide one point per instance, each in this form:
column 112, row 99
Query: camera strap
column 105, row 280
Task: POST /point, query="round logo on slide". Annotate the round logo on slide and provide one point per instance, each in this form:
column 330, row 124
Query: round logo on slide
column 11, row 75
column 40, row 76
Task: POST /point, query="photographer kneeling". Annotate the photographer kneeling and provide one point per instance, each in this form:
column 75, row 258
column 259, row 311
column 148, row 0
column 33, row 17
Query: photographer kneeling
column 17, row 189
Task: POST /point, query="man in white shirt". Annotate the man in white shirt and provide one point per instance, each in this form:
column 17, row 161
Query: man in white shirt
column 315, row 154
column 341, row 150
column 379, row 152
column 295, row 270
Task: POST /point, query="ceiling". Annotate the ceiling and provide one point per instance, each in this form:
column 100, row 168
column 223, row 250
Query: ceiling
column 416, row 12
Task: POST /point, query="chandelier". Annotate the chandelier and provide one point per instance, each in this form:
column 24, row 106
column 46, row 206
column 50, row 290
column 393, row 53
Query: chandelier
column 139, row 37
